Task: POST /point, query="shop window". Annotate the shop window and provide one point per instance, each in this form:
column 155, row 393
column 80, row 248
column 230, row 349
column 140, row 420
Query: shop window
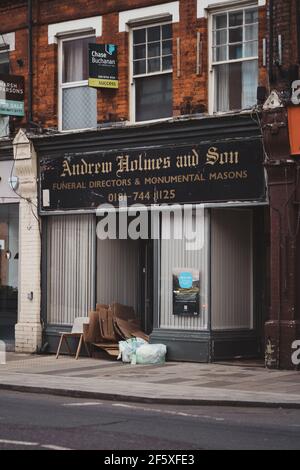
column 232, row 269
column 70, row 268
column 9, row 260
column 78, row 102
column 4, row 69
column 118, row 272
column 184, row 309
column 152, row 72
column 235, row 59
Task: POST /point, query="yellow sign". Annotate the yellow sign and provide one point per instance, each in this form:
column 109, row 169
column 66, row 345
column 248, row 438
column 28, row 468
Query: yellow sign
column 101, row 83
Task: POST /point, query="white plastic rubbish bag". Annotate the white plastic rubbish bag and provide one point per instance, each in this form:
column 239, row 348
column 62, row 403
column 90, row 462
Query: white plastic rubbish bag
column 127, row 349
column 151, row 354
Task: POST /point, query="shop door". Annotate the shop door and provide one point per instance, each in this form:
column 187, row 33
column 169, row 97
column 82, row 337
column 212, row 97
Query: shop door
column 236, row 311
column 9, row 256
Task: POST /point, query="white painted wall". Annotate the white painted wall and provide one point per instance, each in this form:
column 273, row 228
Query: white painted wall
column 28, row 329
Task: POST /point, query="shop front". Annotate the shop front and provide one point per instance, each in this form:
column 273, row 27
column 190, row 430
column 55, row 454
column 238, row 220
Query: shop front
column 9, row 251
column 170, row 219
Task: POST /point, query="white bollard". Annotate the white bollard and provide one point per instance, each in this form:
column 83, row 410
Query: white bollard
column 2, row 353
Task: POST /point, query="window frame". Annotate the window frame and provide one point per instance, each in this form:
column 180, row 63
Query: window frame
column 5, row 119
column 6, row 50
column 133, row 77
column 212, row 64
column 63, row 86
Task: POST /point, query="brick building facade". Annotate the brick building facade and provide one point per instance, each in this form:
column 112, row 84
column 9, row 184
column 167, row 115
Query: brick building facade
column 190, row 86
column 221, row 52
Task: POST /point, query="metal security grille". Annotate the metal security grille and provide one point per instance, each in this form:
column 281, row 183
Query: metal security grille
column 79, row 108
column 70, row 268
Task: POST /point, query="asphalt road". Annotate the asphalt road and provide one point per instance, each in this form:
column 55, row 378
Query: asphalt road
column 46, row 422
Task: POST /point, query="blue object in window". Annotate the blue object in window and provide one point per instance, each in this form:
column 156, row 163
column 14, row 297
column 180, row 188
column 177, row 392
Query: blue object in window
column 186, row 280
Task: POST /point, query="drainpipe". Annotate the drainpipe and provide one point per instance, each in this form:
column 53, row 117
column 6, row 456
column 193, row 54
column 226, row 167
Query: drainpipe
column 271, row 41
column 30, row 61
column 298, row 28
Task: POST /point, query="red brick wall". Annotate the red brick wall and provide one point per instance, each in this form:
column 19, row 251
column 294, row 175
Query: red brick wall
column 284, row 24
column 190, row 89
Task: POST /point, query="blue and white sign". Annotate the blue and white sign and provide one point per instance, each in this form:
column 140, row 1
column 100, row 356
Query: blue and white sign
column 186, row 280
column 186, row 292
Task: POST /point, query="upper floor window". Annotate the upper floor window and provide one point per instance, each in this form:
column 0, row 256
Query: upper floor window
column 78, row 102
column 4, row 69
column 235, row 59
column 152, row 72
column 4, row 61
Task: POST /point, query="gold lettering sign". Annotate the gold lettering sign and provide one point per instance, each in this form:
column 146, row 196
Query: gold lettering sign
column 214, row 157
column 83, row 168
column 229, row 170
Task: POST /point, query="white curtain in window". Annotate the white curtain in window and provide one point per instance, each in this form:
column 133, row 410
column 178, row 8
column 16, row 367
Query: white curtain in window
column 250, row 83
column 75, row 54
column 222, row 88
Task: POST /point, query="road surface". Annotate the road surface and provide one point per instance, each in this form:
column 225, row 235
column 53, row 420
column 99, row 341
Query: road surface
column 30, row 421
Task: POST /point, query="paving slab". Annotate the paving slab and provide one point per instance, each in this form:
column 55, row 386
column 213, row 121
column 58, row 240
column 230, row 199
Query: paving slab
column 172, row 383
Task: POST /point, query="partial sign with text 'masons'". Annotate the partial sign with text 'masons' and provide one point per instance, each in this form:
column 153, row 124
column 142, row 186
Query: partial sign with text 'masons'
column 12, row 95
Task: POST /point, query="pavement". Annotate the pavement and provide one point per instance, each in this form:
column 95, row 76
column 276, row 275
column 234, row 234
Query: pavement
column 241, row 384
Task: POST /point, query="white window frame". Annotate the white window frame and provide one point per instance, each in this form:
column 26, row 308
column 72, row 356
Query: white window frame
column 149, row 14
column 63, row 86
column 3, row 118
column 5, row 50
column 211, row 85
column 203, row 6
column 132, row 91
column 9, row 40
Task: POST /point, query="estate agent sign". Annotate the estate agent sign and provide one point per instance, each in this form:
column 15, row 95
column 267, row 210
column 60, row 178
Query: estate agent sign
column 103, row 66
column 11, row 95
column 211, row 172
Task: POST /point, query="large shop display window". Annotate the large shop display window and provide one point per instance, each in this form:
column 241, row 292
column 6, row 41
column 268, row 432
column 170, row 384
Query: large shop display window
column 232, row 269
column 211, row 286
column 9, row 258
column 205, row 282
column 184, row 275
column 70, row 268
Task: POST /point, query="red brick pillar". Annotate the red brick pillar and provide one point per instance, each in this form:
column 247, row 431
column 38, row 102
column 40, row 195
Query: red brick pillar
column 283, row 325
